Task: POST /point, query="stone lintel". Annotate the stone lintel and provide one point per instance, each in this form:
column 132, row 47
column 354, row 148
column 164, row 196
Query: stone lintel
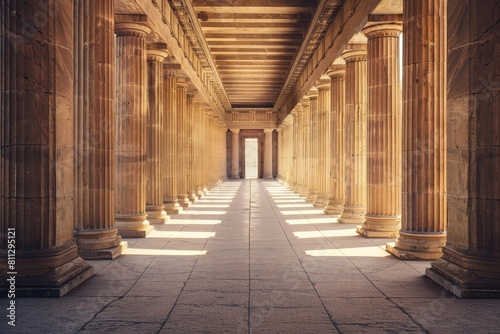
column 385, row 18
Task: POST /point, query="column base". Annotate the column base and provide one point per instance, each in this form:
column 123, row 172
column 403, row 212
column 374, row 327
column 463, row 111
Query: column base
column 133, row 226
column 99, row 244
column 157, row 215
column 304, row 192
column 321, row 201
column 334, row 207
column 235, row 177
column 172, row 206
column 378, row 226
column 353, row 215
column 198, row 192
column 47, row 274
column 311, row 197
column 418, row 245
column 296, row 188
column 184, row 201
column 466, row 276
column 192, row 196
column 104, row 254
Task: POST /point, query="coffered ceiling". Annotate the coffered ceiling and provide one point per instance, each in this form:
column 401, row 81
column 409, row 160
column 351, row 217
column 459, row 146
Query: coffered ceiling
column 254, row 50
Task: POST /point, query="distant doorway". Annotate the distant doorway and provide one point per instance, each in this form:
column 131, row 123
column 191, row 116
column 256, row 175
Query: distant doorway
column 251, row 158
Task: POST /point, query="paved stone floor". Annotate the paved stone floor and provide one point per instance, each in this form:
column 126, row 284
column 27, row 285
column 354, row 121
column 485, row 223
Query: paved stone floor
column 253, row 257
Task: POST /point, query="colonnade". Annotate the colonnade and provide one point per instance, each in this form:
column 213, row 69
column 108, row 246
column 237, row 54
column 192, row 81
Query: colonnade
column 388, row 149
column 100, row 150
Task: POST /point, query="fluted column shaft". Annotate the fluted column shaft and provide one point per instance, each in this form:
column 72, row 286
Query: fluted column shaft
column 279, row 130
column 337, row 147
column 170, row 168
column 37, row 149
column 94, row 199
column 155, row 137
column 294, row 183
column 190, row 148
column 355, row 134
column 383, row 211
column 306, row 145
column 314, row 149
column 268, row 154
column 423, row 220
column 235, row 154
column 131, row 120
column 181, row 132
column 323, row 171
column 198, row 148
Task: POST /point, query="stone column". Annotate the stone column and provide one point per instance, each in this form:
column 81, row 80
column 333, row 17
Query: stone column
column 190, row 147
column 155, row 136
column 181, row 176
column 299, row 149
column 131, row 121
column 37, row 149
column 94, row 197
column 198, row 148
column 294, row 184
column 170, row 168
column 268, row 154
column 306, row 145
column 323, row 170
column 337, row 147
column 355, row 134
column 279, row 130
column 470, row 265
column 205, row 149
column 313, row 152
column 383, row 212
column 423, row 220
column 235, row 154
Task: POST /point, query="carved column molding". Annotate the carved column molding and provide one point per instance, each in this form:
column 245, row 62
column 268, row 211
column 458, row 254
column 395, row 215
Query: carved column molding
column 423, row 220
column 355, row 134
column 37, row 149
column 323, row 170
column 336, row 72
column 96, row 233
column 155, row 136
column 383, row 212
column 235, row 154
column 131, row 120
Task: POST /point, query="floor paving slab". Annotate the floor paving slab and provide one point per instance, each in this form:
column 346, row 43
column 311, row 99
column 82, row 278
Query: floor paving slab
column 253, row 257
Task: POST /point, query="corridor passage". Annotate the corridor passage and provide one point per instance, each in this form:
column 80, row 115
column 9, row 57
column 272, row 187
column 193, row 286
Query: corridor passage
column 253, row 257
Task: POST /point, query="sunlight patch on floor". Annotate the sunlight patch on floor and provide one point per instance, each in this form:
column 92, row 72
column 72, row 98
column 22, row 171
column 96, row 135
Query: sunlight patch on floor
column 170, row 252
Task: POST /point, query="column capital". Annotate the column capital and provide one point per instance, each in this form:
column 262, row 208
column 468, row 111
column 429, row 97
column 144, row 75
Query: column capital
column 305, row 102
column 354, row 52
column 313, row 93
column 382, row 29
column 268, row 130
column 157, row 51
column 336, row 69
column 131, row 26
column 182, row 83
column 235, row 130
column 323, row 83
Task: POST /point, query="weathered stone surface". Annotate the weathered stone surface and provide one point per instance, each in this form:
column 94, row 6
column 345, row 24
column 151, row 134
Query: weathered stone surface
column 37, row 150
